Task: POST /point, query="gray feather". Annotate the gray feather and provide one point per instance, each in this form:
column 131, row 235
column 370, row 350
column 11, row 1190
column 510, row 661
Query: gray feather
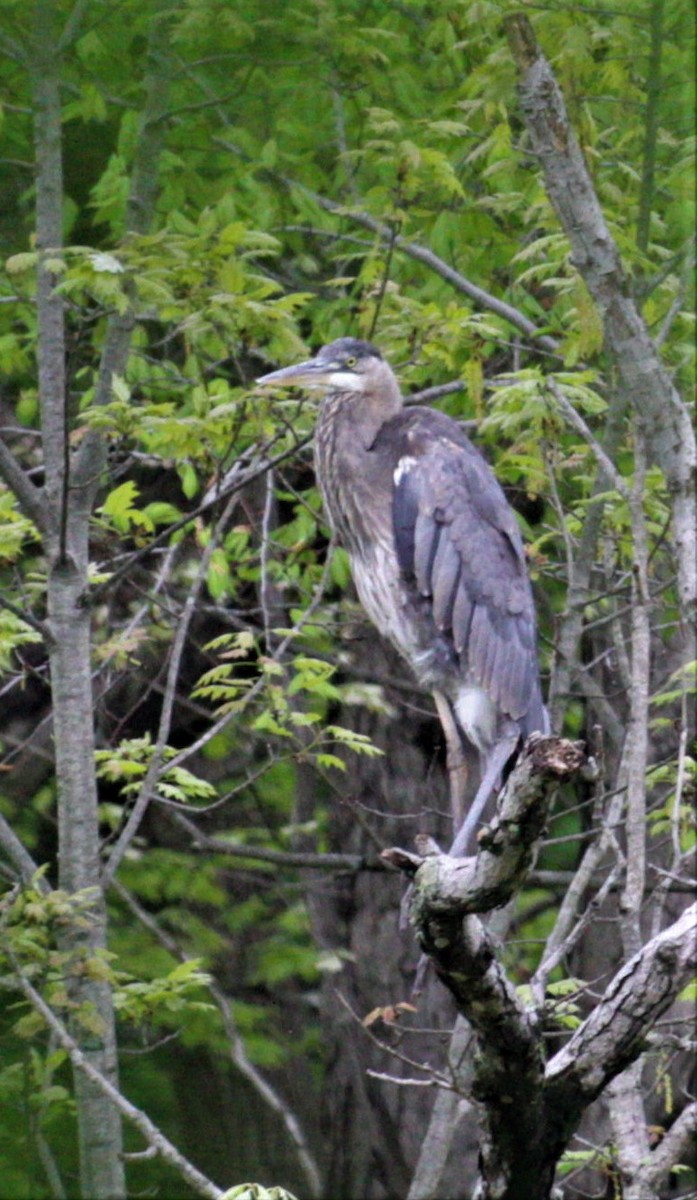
column 426, row 534
column 463, row 611
column 445, row 575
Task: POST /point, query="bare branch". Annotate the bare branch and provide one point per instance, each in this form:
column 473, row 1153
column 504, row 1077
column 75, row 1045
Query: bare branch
column 628, row 1124
column 460, row 282
column 635, row 754
column 14, row 852
column 578, row 423
column 422, row 1083
column 645, row 382
column 613, row 1035
column 455, row 886
column 49, row 233
column 206, row 844
column 508, row 1063
column 481, row 298
column 669, row 1151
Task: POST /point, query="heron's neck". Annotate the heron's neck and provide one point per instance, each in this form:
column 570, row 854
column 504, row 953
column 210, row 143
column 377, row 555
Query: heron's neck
column 347, row 427
column 358, row 416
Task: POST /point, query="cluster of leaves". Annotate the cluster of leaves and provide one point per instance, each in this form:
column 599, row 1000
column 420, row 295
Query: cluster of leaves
column 34, row 922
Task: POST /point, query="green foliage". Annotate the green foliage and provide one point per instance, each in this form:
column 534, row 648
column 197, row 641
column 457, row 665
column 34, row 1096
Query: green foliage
column 127, row 765
column 247, row 678
column 560, row 1003
column 164, row 1000
column 573, row 1160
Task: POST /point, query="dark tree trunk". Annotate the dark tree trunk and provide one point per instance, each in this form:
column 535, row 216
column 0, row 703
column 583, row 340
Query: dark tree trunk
column 375, row 1128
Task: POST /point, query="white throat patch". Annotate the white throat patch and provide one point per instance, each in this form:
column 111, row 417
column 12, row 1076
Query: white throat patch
column 346, row 381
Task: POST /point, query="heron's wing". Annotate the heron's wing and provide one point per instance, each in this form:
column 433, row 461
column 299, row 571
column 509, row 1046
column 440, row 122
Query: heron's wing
column 458, row 545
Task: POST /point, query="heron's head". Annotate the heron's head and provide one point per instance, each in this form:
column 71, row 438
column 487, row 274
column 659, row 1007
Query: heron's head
column 347, row 365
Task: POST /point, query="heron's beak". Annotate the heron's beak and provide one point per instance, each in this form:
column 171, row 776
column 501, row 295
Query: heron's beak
column 309, row 373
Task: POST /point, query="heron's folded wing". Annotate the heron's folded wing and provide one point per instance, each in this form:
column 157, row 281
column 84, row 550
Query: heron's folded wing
column 458, row 544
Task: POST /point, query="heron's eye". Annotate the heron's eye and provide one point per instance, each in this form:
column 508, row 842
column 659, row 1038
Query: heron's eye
column 350, row 361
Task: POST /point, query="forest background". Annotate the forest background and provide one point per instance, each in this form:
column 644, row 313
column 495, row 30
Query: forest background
column 204, row 746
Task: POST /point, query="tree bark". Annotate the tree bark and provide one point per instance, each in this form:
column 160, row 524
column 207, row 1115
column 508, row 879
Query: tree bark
column 65, row 543
column 63, row 513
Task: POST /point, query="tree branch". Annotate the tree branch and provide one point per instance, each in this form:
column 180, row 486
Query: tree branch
column 238, row 1053
column 576, row 420
column 207, row 844
column 508, row 1061
column 613, row 1035
column 653, row 96
column 29, row 497
column 49, row 237
column 422, row 254
column 481, row 298
column 457, row 886
column 629, row 1129
column 672, row 1147
column 91, row 457
column 644, row 379
column 15, row 852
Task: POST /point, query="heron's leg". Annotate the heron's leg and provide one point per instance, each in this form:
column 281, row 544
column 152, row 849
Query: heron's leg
column 495, row 763
column 455, row 759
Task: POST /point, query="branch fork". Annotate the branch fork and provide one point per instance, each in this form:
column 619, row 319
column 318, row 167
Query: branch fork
column 528, row 1108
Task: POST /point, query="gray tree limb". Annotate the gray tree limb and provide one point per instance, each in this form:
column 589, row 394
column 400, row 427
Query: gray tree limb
column 15, row 852
column 209, row 844
column 508, row 1060
column 422, row 254
column 672, row 1147
column 645, row 381
column 613, row 1035
column 629, row 1129
column 528, row 1111
column 459, row 886
column 66, row 547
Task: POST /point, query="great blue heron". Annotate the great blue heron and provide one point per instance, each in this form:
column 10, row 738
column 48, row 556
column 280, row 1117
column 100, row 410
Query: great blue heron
column 436, row 557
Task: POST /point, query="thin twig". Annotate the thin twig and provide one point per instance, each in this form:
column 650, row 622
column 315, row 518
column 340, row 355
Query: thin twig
column 577, row 421
column 436, row 1078
column 29, row 497
column 287, row 858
